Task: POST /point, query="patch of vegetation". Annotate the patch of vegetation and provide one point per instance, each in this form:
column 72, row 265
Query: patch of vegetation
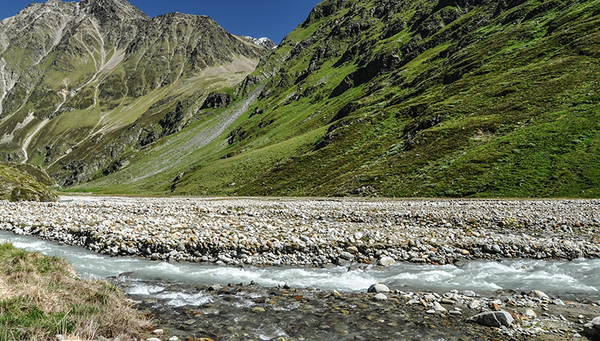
column 21, row 182
column 41, row 297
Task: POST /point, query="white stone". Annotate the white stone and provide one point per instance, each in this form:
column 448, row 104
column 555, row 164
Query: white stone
column 539, row 294
column 530, row 314
column 387, row 261
column 438, row 307
column 474, row 304
column 381, row 297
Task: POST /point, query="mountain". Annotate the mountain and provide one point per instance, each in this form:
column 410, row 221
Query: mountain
column 266, row 42
column 469, row 98
column 83, row 83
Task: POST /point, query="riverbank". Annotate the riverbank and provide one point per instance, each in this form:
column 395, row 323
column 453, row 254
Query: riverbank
column 42, row 297
column 205, row 313
column 314, row 232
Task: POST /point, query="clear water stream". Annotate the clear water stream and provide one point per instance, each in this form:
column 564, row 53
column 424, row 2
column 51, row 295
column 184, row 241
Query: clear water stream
column 561, row 278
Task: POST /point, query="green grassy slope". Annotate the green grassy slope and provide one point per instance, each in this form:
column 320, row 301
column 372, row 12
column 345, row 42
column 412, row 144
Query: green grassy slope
column 417, row 98
column 24, row 182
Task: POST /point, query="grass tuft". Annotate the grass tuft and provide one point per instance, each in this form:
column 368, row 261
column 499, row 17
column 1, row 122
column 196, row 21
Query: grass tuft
column 41, row 297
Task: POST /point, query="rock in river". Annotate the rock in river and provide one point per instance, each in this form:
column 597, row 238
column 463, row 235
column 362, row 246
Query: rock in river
column 380, row 288
column 387, row 261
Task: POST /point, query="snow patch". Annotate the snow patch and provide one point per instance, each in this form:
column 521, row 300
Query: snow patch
column 263, row 42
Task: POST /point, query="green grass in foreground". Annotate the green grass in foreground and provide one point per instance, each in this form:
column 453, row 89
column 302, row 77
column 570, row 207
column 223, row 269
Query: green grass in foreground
column 41, row 297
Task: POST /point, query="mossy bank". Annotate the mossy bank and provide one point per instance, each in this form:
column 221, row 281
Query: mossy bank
column 41, row 297
column 24, row 182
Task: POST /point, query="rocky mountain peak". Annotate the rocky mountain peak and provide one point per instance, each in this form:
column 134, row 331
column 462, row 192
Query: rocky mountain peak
column 113, row 9
column 265, row 42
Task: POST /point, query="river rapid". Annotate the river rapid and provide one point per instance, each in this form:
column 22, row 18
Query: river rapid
column 185, row 301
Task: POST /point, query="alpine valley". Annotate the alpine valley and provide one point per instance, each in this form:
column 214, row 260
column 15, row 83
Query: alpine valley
column 444, row 98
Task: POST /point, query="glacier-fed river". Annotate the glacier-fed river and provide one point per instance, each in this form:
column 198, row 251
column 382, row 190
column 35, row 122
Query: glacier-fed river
column 559, row 278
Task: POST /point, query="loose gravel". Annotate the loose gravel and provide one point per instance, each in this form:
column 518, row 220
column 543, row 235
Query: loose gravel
column 314, row 232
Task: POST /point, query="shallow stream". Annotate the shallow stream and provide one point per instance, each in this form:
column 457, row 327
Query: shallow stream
column 171, row 290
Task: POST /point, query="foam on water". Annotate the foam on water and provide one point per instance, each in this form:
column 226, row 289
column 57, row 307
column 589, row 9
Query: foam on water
column 580, row 276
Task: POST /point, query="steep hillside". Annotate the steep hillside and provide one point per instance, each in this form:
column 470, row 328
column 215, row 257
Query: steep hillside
column 412, row 98
column 83, row 83
column 417, row 98
column 24, row 182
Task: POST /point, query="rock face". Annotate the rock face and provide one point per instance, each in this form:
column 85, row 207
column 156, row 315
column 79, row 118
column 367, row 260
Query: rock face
column 81, row 83
column 217, row 101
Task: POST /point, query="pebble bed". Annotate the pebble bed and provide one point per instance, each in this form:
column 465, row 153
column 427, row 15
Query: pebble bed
column 309, row 314
column 314, row 232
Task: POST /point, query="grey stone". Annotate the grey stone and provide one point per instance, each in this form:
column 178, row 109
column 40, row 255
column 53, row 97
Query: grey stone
column 346, row 255
column 379, row 288
column 592, row 329
column 493, row 319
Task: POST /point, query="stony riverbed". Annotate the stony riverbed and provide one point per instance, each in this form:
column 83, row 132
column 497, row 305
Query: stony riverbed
column 323, row 233
column 313, row 232
column 250, row 312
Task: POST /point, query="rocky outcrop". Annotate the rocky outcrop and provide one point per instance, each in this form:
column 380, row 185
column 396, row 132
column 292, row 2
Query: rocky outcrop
column 217, row 101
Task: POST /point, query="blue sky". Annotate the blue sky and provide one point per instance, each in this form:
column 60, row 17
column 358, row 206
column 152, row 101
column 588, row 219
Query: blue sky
column 264, row 18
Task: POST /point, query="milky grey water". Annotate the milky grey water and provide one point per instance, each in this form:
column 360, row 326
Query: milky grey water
column 559, row 278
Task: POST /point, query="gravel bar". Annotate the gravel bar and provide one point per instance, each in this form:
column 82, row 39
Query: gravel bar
column 313, row 232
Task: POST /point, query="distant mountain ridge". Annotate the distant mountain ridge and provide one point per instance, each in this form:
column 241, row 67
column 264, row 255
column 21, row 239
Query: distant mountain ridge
column 74, row 77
